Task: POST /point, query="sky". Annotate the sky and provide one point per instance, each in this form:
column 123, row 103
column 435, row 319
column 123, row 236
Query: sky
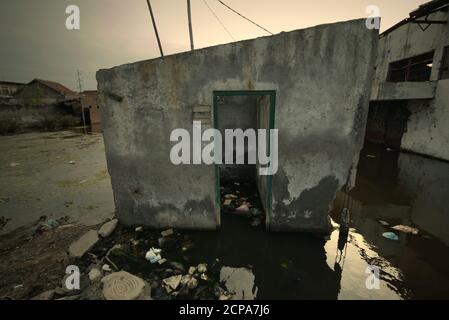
column 35, row 43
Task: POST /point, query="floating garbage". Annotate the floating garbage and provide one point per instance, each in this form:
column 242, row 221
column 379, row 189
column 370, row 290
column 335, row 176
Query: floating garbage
column 202, row 268
column 14, row 164
column 227, row 202
column 106, row 267
column 405, row 229
column 256, row 222
column 192, row 270
column 384, row 223
column 72, row 162
column 153, row 255
column 189, row 281
column 138, row 229
column 167, row 233
column 243, row 208
column 390, row 236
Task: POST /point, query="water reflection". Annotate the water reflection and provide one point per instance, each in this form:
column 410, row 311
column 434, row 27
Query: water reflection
column 395, row 188
column 391, row 189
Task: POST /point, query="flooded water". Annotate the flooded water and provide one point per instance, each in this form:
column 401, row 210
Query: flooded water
column 53, row 174
column 391, row 189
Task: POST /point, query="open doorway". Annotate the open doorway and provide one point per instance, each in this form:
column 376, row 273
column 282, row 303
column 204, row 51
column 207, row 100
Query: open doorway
column 240, row 189
column 387, row 122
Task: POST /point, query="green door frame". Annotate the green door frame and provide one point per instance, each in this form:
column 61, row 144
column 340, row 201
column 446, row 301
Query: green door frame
column 272, row 95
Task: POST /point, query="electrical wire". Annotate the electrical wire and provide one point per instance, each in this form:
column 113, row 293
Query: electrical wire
column 218, row 19
column 244, row 17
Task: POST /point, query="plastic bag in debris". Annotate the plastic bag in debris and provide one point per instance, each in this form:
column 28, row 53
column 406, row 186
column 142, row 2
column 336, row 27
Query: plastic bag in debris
column 153, row 255
column 390, row 235
column 243, row 208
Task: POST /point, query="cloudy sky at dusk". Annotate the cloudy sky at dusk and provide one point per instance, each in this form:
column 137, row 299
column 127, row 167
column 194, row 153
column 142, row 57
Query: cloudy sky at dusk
column 36, row 44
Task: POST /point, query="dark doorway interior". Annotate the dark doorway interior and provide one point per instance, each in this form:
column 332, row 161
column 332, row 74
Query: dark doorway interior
column 387, row 122
column 86, row 115
column 241, row 189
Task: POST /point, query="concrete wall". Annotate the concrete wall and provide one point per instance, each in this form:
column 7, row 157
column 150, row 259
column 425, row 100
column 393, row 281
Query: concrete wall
column 322, row 78
column 427, row 128
column 19, row 118
column 89, row 102
column 9, row 88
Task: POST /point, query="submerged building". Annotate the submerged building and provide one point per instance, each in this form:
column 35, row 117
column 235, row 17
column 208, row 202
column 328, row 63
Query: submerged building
column 312, row 85
column 409, row 107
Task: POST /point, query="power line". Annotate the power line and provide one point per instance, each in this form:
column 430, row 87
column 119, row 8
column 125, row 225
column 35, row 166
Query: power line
column 218, row 19
column 244, row 17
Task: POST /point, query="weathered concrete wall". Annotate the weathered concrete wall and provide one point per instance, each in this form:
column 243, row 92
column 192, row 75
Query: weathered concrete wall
column 427, row 127
column 322, row 78
column 89, row 102
column 19, row 118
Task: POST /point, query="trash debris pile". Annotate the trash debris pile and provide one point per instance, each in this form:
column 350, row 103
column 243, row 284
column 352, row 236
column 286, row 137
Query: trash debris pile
column 242, row 198
column 401, row 228
column 121, row 263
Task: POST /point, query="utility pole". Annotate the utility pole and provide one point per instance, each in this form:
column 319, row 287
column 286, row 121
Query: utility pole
column 80, row 87
column 189, row 14
column 155, row 28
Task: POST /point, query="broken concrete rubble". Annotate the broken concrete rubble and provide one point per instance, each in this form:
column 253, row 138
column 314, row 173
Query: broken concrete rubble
column 107, row 228
column 114, row 253
column 83, row 244
column 122, row 286
column 94, row 274
column 46, row 295
column 202, row 268
column 172, row 282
